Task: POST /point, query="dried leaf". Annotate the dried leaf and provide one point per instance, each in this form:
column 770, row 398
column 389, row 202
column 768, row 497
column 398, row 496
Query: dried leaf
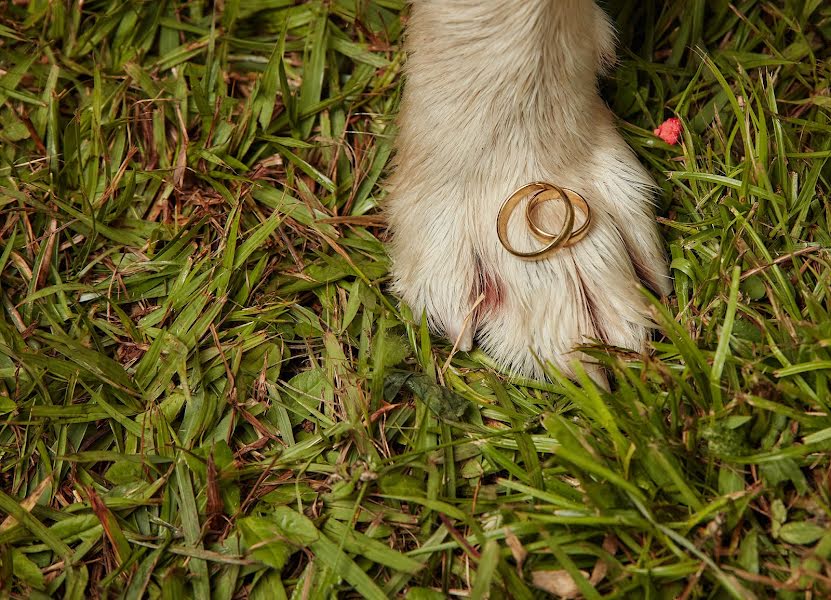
column 517, row 549
column 29, row 503
column 558, row 583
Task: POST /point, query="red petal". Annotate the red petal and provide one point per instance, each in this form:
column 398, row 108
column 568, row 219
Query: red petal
column 670, row 130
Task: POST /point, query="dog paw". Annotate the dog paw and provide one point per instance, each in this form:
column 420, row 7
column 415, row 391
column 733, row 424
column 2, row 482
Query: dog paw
column 497, row 97
column 581, row 294
column 449, row 263
column 435, row 269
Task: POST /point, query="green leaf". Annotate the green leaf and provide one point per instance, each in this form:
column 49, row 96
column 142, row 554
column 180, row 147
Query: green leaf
column 332, row 558
column 27, row 571
column 801, row 533
column 295, row 527
column 7, row 405
column 445, row 404
column 265, row 542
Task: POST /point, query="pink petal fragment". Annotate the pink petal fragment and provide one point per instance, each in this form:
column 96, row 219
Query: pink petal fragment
column 670, row 131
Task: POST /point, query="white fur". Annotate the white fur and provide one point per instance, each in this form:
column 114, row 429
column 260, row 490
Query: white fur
column 500, row 93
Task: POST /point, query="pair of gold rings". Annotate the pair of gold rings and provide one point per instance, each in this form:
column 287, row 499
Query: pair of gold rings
column 541, row 193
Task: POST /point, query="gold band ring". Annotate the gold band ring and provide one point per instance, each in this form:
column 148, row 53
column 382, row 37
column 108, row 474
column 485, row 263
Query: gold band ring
column 540, row 193
column 574, row 199
column 546, row 192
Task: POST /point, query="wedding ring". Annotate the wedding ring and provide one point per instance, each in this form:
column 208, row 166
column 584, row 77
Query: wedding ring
column 546, row 192
column 574, row 199
column 540, row 193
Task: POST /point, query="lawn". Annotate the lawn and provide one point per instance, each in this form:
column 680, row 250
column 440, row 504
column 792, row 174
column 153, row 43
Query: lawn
column 207, row 390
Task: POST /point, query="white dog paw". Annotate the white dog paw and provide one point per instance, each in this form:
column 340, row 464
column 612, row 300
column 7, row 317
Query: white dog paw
column 500, row 95
column 449, row 263
column 582, row 294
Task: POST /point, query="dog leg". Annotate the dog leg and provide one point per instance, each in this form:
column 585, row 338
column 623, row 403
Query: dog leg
column 500, row 93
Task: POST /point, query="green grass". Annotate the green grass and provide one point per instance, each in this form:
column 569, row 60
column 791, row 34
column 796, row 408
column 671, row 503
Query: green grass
column 207, row 391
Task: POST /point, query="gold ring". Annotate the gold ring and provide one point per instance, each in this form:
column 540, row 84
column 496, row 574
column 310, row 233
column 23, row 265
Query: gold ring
column 574, row 199
column 544, row 192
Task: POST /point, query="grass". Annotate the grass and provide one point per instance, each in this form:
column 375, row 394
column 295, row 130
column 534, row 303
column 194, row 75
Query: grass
column 206, row 389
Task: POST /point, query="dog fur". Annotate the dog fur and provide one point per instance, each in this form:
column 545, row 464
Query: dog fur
column 500, row 93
